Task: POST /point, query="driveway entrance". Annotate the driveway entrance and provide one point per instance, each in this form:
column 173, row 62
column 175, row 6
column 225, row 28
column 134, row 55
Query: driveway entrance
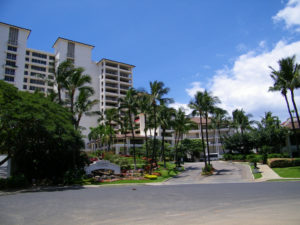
column 225, row 172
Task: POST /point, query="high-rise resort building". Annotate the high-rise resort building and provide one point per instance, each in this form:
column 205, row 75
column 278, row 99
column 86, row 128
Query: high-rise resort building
column 30, row 69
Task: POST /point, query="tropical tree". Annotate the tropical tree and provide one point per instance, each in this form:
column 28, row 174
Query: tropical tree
column 144, row 107
column 157, row 92
column 63, row 70
column 165, row 120
column 181, row 125
column 209, row 107
column 129, row 103
column 287, row 78
column 83, row 105
column 37, row 135
column 124, row 125
column 240, row 120
column 197, row 106
column 220, row 120
column 76, row 80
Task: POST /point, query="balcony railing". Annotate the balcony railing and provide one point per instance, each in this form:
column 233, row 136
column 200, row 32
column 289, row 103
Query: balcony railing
column 13, row 42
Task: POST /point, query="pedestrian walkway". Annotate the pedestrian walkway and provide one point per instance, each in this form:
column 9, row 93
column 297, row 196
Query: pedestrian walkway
column 267, row 173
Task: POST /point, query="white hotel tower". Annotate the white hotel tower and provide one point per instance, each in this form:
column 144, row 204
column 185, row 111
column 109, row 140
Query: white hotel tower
column 31, row 70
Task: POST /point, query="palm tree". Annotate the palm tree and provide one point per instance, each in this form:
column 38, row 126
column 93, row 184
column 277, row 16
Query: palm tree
column 63, row 71
column 209, row 106
column 287, row 78
column 197, row 106
column 156, row 97
column 144, row 107
column 111, row 116
column 83, row 105
column 123, row 121
column 181, row 125
column 129, row 103
column 76, row 80
column 165, row 116
column 219, row 119
column 241, row 120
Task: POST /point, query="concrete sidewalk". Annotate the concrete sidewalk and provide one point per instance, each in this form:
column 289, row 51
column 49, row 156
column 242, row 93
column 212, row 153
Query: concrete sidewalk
column 267, row 173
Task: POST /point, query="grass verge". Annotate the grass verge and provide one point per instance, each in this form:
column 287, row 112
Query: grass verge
column 283, row 180
column 288, row 172
column 256, row 175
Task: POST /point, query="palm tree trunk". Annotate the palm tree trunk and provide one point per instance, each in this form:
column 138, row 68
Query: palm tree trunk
column 291, row 116
column 146, row 138
column 295, row 107
column 202, row 137
column 133, row 139
column 221, row 140
column 206, row 131
column 154, row 140
column 163, row 148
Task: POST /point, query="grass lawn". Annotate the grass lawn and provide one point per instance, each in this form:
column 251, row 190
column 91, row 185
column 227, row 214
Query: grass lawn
column 288, row 172
column 256, row 175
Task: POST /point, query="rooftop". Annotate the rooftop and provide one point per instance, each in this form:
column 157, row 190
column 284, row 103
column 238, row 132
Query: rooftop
column 77, row 42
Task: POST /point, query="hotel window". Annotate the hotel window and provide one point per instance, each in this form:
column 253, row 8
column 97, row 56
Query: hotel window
column 27, row 52
column 12, row 48
column 25, row 80
column 13, row 36
column 27, row 59
column 71, row 50
column 9, row 71
column 38, row 61
column 25, row 72
column 51, row 57
column 11, row 56
column 10, row 79
column 35, row 54
column 38, row 68
column 26, row 66
column 11, row 63
column 24, row 86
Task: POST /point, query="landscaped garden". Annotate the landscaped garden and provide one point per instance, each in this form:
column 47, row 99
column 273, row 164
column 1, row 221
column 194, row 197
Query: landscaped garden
column 143, row 173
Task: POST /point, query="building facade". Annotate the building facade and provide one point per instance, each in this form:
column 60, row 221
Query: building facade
column 31, row 70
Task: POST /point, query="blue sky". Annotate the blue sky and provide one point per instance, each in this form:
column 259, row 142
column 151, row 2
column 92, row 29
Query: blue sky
column 223, row 46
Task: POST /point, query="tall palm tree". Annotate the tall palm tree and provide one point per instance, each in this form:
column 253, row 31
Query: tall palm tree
column 144, row 107
column 111, row 116
column 61, row 72
column 83, row 105
column 165, row 116
column 76, row 81
column 157, row 92
column 197, row 106
column 241, row 120
column 287, row 78
column 123, row 121
column 129, row 103
column 181, row 125
column 209, row 106
column 220, row 119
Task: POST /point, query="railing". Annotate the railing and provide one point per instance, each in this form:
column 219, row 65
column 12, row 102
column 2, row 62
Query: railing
column 111, row 85
column 13, row 42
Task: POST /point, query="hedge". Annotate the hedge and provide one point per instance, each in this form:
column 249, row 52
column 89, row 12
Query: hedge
column 283, row 162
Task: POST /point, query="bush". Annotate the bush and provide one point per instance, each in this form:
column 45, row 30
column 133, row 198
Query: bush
column 283, row 162
column 278, row 155
column 14, row 182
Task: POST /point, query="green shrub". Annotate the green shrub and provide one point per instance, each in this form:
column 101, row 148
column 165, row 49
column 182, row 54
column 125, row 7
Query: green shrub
column 14, row 182
column 283, row 162
column 278, row 155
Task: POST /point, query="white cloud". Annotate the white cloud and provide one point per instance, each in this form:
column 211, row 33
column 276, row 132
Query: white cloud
column 290, row 15
column 196, row 86
column 185, row 107
column 262, row 44
column 246, row 84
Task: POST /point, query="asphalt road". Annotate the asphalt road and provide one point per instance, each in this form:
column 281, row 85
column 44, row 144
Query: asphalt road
column 225, row 172
column 230, row 203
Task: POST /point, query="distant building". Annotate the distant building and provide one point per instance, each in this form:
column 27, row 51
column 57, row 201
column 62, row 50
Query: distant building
column 292, row 138
column 31, row 70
